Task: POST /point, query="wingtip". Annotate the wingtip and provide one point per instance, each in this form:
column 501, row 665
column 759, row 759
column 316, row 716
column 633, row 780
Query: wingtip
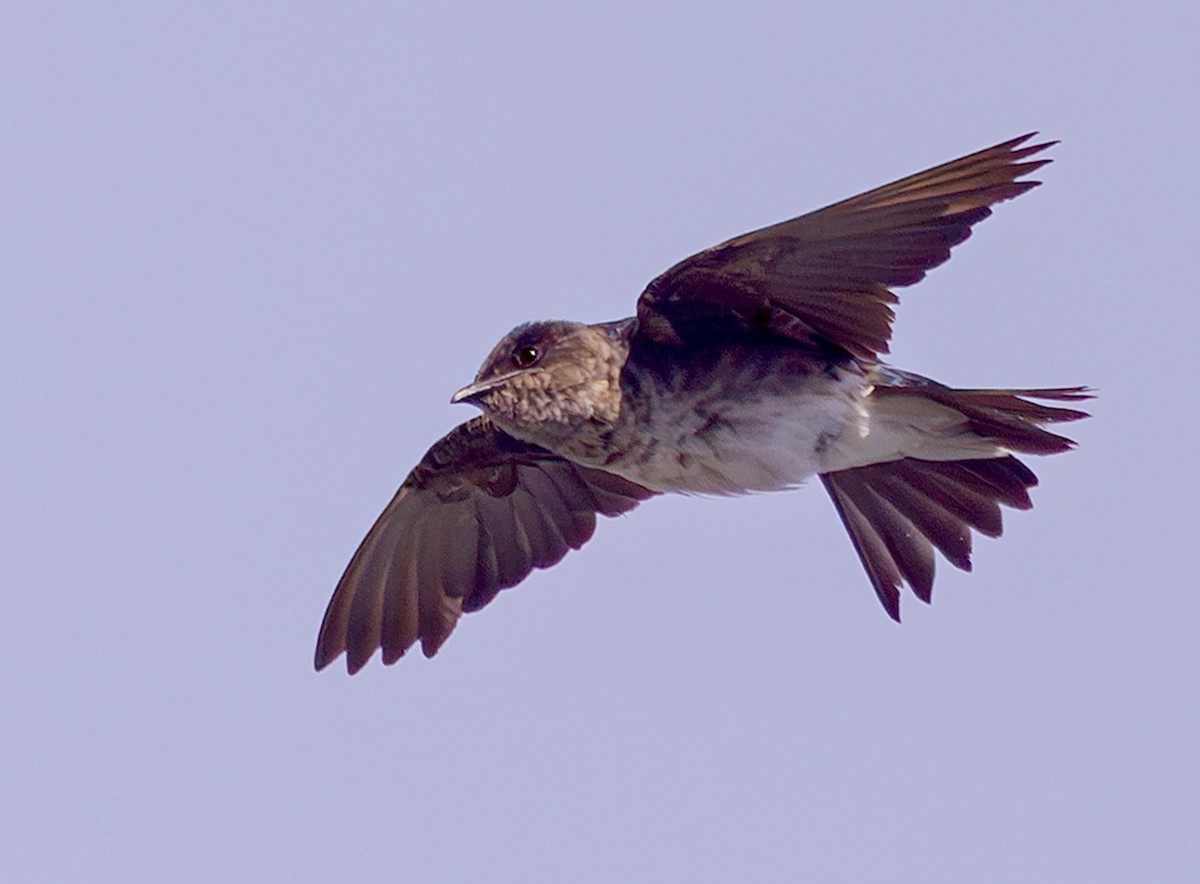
column 1021, row 139
column 323, row 656
column 351, row 668
column 431, row 644
column 353, row 665
column 1016, row 150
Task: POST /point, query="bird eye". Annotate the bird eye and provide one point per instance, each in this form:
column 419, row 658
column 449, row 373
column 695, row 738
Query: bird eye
column 526, row 356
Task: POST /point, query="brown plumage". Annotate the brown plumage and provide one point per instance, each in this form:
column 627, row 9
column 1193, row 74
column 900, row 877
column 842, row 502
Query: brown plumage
column 417, row 570
column 749, row 366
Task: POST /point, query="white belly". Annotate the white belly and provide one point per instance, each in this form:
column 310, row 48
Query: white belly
column 761, row 441
column 774, row 436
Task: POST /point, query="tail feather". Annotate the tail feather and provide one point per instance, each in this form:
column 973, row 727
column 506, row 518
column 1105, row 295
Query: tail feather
column 897, row 512
column 1008, row 417
column 952, row 472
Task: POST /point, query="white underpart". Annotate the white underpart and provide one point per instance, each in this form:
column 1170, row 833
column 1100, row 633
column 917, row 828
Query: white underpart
column 772, row 441
column 892, row 427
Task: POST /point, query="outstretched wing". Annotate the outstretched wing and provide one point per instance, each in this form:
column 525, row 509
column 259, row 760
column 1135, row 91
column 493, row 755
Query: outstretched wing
column 826, row 277
column 478, row 513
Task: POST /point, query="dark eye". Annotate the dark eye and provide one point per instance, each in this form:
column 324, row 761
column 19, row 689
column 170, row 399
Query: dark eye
column 526, row 356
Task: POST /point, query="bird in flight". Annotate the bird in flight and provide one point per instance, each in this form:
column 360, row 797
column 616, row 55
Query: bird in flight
column 749, row 366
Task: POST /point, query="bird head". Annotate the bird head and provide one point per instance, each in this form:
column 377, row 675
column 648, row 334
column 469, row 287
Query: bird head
column 546, row 377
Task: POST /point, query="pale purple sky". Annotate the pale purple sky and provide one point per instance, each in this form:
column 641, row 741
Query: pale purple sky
column 249, row 250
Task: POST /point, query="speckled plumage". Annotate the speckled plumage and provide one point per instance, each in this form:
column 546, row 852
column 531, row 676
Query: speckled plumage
column 749, row 367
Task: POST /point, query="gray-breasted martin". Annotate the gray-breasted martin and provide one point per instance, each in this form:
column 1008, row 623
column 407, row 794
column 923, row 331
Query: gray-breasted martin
column 748, row 367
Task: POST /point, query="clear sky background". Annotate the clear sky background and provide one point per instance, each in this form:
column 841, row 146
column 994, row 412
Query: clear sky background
column 249, row 250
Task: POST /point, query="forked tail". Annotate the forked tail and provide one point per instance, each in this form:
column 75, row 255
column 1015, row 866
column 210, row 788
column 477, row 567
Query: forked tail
column 897, row 512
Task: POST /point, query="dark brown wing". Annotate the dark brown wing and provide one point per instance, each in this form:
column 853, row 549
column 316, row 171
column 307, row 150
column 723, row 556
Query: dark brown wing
column 826, row 277
column 480, row 511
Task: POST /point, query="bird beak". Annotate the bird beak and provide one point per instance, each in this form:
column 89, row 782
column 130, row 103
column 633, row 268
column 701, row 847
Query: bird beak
column 472, row 392
column 469, row 393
